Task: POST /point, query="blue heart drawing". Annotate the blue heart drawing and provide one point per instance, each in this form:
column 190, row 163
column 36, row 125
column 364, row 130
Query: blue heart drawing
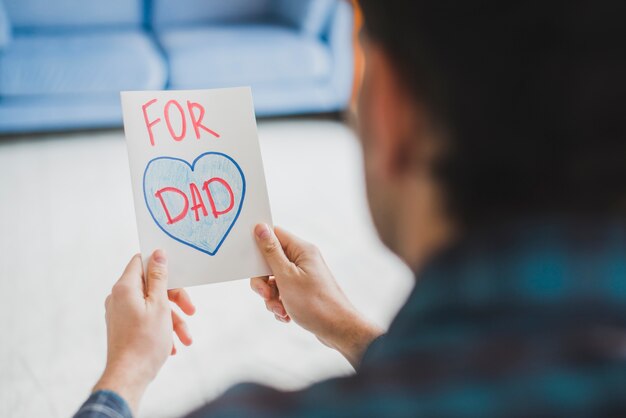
column 196, row 204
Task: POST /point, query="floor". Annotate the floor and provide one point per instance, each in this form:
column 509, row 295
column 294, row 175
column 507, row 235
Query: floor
column 68, row 228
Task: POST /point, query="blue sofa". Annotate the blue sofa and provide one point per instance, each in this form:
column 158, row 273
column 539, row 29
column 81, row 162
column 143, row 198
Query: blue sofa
column 64, row 62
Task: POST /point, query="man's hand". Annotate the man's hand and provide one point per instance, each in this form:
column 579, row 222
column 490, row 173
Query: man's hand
column 140, row 321
column 304, row 289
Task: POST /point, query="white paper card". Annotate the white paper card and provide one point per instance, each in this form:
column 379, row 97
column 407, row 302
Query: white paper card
column 198, row 181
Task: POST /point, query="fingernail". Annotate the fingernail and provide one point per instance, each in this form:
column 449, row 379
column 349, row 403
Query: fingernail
column 159, row 257
column 279, row 312
column 262, row 231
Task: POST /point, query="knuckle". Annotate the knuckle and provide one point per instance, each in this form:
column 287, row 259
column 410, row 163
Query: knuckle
column 158, row 273
column 174, row 295
column 291, row 270
column 314, row 249
column 274, row 307
column 270, row 247
column 120, row 289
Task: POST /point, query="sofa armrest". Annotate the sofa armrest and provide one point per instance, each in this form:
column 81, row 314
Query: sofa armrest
column 339, row 35
column 5, row 26
column 308, row 16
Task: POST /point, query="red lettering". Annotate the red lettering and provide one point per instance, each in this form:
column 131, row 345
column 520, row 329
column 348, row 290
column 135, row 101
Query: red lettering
column 196, row 120
column 205, row 187
column 149, row 124
column 182, row 214
column 183, row 120
column 198, row 203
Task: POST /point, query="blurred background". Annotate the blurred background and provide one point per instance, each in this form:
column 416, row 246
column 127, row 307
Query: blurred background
column 67, row 223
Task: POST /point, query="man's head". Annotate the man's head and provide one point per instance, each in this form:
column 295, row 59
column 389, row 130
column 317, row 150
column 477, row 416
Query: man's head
column 473, row 112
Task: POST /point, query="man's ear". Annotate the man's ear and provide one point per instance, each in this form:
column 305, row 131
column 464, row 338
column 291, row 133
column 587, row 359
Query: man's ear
column 395, row 117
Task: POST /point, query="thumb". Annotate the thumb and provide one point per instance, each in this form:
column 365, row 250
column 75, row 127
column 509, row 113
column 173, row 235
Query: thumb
column 156, row 276
column 271, row 249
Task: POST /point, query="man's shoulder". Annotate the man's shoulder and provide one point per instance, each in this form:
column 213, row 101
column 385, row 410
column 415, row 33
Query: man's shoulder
column 532, row 312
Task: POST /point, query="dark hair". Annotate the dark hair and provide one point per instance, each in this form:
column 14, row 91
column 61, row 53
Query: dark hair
column 533, row 94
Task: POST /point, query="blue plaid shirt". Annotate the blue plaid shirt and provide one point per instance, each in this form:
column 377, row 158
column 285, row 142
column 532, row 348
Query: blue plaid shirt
column 527, row 320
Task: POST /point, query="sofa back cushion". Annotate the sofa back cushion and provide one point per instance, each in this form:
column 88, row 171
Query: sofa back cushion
column 179, row 12
column 55, row 14
column 309, row 16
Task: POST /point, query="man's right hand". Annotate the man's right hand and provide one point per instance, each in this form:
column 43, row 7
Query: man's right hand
column 303, row 289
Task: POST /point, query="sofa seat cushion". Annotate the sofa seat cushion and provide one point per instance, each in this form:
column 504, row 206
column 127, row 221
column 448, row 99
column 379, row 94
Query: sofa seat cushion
column 80, row 63
column 220, row 56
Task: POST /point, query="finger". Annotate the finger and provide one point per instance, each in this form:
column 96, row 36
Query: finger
column 156, row 276
column 181, row 329
column 271, row 249
column 276, row 307
column 133, row 273
column 292, row 244
column 181, row 298
column 260, row 285
column 173, row 352
column 274, row 292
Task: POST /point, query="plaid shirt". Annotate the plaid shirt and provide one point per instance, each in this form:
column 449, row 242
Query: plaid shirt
column 523, row 321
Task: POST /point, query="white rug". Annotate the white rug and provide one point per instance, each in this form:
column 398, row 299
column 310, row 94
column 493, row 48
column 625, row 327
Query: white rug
column 67, row 229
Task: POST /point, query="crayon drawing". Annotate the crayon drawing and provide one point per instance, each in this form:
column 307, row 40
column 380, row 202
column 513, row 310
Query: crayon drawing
column 196, row 203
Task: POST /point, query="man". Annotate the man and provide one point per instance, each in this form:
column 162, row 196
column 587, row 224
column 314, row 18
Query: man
column 494, row 149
